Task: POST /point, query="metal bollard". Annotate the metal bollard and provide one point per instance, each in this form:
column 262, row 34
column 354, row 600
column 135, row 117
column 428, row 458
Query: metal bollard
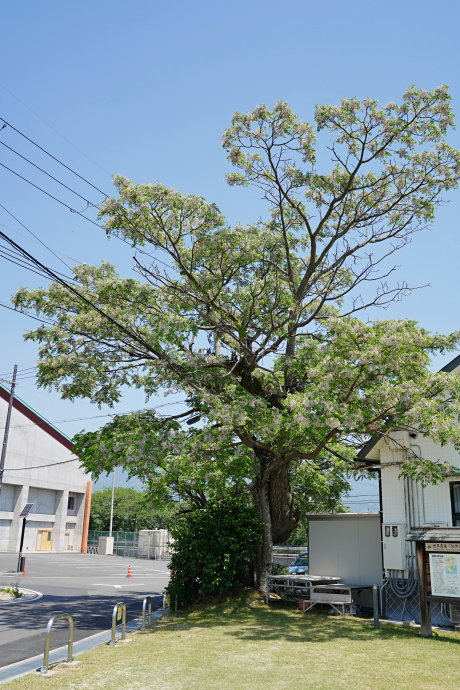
column 166, row 606
column 119, row 613
column 48, row 647
column 375, row 602
column 149, row 615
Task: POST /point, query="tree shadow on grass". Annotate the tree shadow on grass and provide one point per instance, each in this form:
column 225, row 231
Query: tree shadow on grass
column 280, row 621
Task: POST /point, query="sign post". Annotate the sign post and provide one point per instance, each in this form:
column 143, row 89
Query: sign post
column 438, row 569
column 24, row 513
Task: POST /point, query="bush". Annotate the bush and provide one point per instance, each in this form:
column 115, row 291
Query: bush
column 213, row 549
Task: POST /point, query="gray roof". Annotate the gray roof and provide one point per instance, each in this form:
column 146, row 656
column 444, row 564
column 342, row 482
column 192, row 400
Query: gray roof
column 448, row 534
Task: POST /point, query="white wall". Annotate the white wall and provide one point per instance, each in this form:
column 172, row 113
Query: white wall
column 346, row 545
column 436, row 498
column 29, row 445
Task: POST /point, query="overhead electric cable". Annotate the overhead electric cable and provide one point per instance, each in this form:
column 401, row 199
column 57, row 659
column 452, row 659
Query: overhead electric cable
column 57, row 132
column 22, row 265
column 37, row 467
column 36, row 237
column 72, row 210
column 90, row 203
column 42, row 320
column 9, row 255
column 8, row 373
column 95, row 416
column 38, row 241
column 126, row 331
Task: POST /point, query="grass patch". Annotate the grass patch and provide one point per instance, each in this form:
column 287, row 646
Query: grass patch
column 241, row 643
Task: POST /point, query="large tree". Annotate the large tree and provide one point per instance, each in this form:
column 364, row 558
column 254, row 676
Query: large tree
column 291, row 377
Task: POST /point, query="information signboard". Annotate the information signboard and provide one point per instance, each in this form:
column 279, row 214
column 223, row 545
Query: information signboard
column 445, row 574
column 442, row 547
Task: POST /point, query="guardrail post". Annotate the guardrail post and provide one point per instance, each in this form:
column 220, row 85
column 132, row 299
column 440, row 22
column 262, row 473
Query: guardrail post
column 48, row 647
column 375, row 602
column 119, row 613
column 149, row 616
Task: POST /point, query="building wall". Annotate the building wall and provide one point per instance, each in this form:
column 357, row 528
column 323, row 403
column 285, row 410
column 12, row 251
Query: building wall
column 30, row 443
column 408, row 503
column 433, row 501
column 346, row 545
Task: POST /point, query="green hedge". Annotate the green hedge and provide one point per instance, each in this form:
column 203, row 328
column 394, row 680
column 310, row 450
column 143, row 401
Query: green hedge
column 213, row 549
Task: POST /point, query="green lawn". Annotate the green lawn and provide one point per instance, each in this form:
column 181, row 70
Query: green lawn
column 236, row 645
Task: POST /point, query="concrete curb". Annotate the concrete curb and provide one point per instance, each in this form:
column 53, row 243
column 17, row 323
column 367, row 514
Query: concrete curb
column 31, row 665
column 28, row 596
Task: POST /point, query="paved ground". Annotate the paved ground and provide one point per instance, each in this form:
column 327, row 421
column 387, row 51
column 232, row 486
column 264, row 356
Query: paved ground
column 86, row 586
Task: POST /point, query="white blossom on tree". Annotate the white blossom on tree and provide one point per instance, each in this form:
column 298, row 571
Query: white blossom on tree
column 297, row 376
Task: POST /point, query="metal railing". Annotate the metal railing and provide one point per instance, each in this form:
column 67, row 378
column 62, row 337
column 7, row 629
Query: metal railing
column 118, row 620
column 48, row 647
column 119, row 613
column 149, row 615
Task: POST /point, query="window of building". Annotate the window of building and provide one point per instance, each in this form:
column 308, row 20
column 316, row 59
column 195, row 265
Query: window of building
column 71, row 503
column 455, row 500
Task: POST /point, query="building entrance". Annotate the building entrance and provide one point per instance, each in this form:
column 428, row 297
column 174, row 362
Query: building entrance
column 44, row 539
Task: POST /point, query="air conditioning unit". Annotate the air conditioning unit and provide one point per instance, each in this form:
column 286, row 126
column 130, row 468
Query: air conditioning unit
column 454, row 613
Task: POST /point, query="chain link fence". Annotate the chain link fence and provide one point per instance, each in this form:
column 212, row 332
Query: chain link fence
column 125, row 544
column 150, row 544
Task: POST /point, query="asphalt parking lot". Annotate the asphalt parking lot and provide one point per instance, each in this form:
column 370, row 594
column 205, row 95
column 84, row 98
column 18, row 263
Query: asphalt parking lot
column 86, row 586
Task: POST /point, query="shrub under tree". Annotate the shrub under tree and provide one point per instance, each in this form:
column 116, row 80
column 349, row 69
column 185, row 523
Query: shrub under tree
column 214, row 549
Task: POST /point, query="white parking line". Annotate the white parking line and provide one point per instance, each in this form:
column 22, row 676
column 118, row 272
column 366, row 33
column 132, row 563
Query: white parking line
column 98, row 584
column 73, row 577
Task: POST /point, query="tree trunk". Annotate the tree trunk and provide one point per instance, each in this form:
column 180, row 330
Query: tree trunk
column 264, row 557
column 274, row 501
column 284, row 513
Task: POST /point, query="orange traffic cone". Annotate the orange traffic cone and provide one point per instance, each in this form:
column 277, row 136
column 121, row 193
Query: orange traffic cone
column 129, row 571
column 24, row 571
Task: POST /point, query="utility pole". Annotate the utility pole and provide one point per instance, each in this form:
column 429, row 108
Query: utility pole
column 7, row 426
column 111, row 505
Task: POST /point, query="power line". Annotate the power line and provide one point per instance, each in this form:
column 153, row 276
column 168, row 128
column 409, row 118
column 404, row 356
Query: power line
column 96, row 416
column 37, row 467
column 12, row 256
column 72, row 210
column 161, row 356
column 36, row 236
column 8, row 373
column 57, row 132
column 90, row 203
column 38, row 241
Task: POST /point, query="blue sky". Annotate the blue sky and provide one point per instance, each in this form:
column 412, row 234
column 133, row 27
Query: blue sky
column 146, row 89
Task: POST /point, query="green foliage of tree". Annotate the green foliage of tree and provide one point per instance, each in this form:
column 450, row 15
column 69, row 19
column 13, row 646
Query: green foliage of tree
column 214, row 549
column 132, row 511
column 294, row 383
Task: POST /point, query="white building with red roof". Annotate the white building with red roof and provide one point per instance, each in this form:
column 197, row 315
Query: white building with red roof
column 40, row 468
